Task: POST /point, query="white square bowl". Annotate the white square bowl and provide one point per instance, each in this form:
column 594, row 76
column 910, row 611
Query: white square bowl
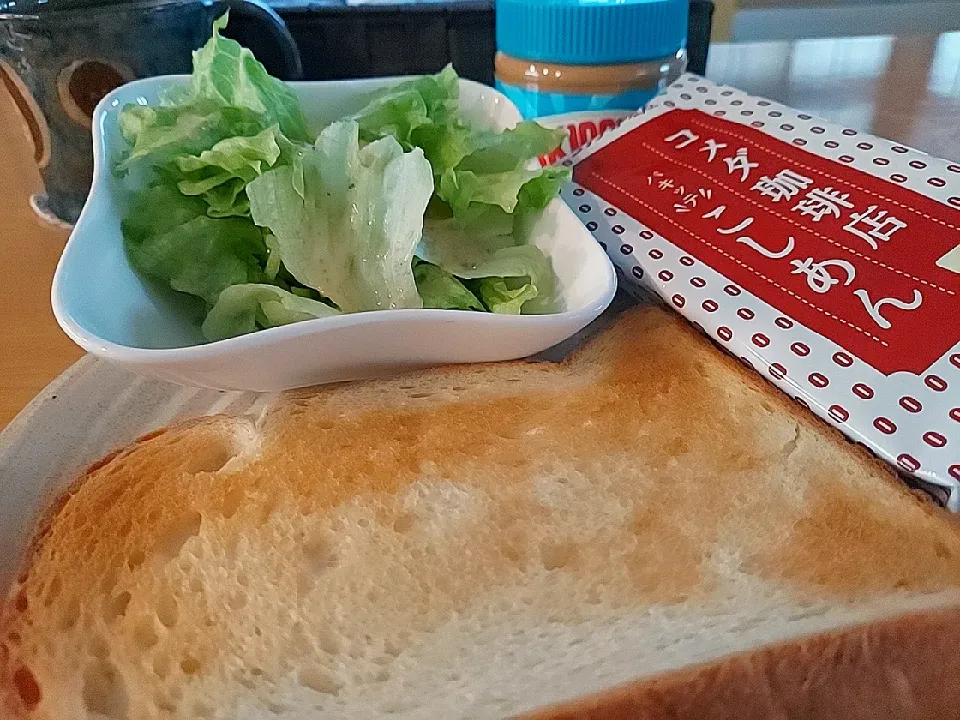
column 110, row 311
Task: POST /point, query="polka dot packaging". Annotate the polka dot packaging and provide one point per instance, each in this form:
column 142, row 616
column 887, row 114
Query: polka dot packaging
column 825, row 259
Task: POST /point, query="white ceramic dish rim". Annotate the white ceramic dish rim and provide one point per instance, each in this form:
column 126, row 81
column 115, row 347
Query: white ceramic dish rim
column 177, row 355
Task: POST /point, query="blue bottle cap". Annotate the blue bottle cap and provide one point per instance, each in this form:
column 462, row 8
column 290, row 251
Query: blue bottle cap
column 591, row 32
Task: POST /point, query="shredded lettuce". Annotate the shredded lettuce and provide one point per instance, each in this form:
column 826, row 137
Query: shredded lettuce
column 405, row 204
column 479, row 171
column 472, row 255
column 350, row 230
column 423, row 113
column 220, row 175
column 247, row 307
column 499, row 297
column 228, row 74
column 169, row 237
column 440, row 289
column 157, row 134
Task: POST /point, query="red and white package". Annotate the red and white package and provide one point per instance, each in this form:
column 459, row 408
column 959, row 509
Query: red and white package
column 826, row 259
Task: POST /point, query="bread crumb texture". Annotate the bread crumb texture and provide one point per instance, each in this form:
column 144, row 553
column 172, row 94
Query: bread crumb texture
column 470, row 542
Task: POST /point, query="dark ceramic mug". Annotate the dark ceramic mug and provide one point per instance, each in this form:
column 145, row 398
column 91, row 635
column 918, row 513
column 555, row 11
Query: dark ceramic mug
column 58, row 58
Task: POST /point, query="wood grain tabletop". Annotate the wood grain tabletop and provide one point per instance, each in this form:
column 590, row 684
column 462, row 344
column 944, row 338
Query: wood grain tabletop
column 904, row 89
column 33, row 349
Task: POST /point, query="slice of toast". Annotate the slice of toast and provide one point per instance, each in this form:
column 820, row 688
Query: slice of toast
column 645, row 530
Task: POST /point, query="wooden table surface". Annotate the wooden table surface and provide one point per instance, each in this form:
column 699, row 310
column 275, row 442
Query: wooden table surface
column 33, row 350
column 904, row 89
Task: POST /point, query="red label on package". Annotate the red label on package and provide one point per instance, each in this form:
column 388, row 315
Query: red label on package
column 867, row 264
column 582, row 129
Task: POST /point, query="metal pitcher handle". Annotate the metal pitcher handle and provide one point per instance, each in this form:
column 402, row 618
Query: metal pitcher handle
column 276, row 27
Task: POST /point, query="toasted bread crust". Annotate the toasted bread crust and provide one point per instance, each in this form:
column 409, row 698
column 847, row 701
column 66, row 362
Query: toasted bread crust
column 11, row 691
column 898, row 669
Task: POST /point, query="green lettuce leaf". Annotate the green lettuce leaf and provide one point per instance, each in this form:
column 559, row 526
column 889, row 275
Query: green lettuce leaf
column 519, row 265
column 477, row 222
column 272, row 267
column 245, row 308
column 500, row 172
column 396, row 112
column 498, row 152
column 499, row 297
column 470, row 255
column 347, row 219
column 508, row 201
column 244, row 157
column 477, row 170
column 539, row 191
column 461, row 188
column 230, row 94
column 460, row 248
column 228, row 74
column 221, row 174
column 440, row 289
column 423, row 113
column 473, row 195
column 159, row 133
column 169, row 237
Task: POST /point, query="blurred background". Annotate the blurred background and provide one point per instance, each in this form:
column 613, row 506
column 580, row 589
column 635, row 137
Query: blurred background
column 891, row 67
column 346, row 38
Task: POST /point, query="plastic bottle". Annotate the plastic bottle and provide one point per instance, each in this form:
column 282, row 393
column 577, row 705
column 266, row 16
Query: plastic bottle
column 587, row 64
